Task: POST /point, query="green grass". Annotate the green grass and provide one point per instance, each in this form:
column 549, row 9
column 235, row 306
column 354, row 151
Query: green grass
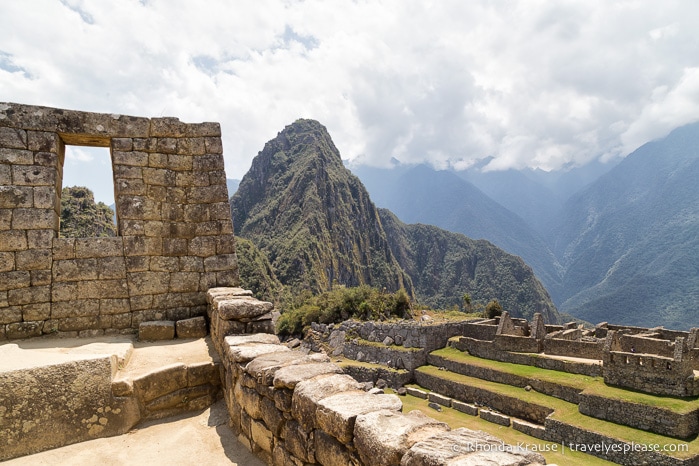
column 567, row 412
column 586, row 384
column 456, row 419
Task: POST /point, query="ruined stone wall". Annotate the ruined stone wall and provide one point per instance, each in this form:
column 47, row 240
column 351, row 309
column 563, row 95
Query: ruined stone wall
column 658, row 420
column 487, row 350
column 175, row 236
column 574, row 348
column 517, row 344
column 289, row 407
column 657, row 375
column 481, row 330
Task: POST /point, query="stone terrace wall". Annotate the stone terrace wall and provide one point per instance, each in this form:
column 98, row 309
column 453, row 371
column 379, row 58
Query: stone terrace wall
column 175, row 236
column 289, row 407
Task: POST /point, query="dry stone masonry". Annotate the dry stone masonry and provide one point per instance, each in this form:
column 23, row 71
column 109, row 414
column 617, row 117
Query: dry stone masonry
column 175, row 236
column 290, row 407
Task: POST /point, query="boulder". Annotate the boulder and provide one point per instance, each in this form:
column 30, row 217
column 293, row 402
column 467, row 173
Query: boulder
column 465, row 447
column 336, row 414
column 241, row 308
column 383, row 437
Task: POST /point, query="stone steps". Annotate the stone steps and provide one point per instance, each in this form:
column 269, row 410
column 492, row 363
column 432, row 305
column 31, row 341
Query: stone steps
column 526, row 416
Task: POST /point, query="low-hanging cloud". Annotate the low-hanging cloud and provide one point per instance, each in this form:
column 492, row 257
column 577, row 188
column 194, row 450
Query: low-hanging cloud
column 529, row 84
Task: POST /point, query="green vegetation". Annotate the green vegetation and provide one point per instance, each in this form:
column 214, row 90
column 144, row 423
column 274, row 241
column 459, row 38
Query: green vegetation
column 363, row 302
column 456, row 419
column 81, row 217
column 492, row 309
column 256, row 273
column 566, row 412
column 317, row 226
column 586, row 384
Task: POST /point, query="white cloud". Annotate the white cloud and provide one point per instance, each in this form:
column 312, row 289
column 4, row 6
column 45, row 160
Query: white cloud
column 539, row 84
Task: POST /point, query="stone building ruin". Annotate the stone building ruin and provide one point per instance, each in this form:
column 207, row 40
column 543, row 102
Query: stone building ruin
column 175, row 236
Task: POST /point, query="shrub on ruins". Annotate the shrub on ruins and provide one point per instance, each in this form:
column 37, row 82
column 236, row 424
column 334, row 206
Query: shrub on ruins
column 492, row 309
column 341, row 303
column 82, row 217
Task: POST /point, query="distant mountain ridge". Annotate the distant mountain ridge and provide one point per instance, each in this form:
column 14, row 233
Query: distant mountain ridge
column 611, row 242
column 315, row 222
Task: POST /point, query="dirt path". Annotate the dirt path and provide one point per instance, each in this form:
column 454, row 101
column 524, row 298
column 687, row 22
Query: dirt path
column 199, row 439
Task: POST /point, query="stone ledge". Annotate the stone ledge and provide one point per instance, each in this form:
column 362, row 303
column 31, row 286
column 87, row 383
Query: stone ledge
column 494, row 417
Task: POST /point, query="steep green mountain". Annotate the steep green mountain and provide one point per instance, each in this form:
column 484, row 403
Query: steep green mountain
column 317, row 225
column 629, row 242
column 81, row 217
column 445, row 265
column 311, row 217
column 441, row 198
column 256, row 273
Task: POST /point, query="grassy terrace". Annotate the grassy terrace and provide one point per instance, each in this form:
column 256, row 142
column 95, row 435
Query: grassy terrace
column 456, row 419
column 378, row 344
column 586, row 384
column 566, row 412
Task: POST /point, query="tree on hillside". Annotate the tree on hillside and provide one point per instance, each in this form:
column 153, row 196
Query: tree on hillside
column 81, row 217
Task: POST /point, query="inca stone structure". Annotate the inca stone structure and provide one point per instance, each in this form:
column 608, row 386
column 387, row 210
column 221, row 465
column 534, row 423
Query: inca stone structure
column 175, row 236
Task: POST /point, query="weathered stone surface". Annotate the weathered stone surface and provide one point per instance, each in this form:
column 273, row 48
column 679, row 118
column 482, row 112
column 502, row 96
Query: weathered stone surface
column 467, row 447
column 416, row 392
column 264, row 367
column 309, row 393
column 243, row 308
column 383, row 437
column 247, row 352
column 290, row 376
column 235, row 340
column 60, row 413
column 336, row 414
column 330, row 452
column 191, row 328
column 156, row 330
column 466, row 408
column 161, row 382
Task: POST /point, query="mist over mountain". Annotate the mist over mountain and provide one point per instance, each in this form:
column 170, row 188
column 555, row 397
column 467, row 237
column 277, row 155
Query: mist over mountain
column 629, row 242
column 316, row 224
column 614, row 242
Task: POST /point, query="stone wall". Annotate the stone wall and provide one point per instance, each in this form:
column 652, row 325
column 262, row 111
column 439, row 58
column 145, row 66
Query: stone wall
column 486, row 349
column 175, row 236
column 574, row 348
column 290, row 407
column 653, row 419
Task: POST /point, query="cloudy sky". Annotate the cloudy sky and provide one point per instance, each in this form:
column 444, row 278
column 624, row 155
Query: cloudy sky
column 545, row 84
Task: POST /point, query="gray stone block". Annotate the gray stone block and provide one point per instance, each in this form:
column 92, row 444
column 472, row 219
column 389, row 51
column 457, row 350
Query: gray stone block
column 156, row 330
column 466, row 408
column 494, row 417
column 441, row 399
column 191, row 328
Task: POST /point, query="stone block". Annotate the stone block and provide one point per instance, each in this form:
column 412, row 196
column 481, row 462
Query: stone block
column 16, row 156
column 63, row 248
column 131, row 158
column 494, row 417
column 13, row 240
column 203, row 373
column 34, row 219
column 14, row 279
column 10, row 315
column 33, row 175
column 34, row 259
column 75, row 308
column 40, row 277
column 74, row 270
column 23, row 330
column 309, row 393
column 160, row 382
column 440, row 399
column 416, row 392
column 99, row 247
column 184, row 282
column 191, row 328
column 114, row 306
column 465, row 408
column 156, row 330
column 148, row 283
column 7, row 261
column 272, row 417
column 42, row 141
column 299, row 441
column 533, row 430
column 290, row 376
column 383, row 437
column 13, row 197
column 40, row 239
column 248, row 352
column 336, row 414
column 36, row 312
column 330, row 452
column 261, row 436
column 13, row 138
column 242, row 308
column 464, row 446
column 46, row 159
column 45, row 198
column 35, row 294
